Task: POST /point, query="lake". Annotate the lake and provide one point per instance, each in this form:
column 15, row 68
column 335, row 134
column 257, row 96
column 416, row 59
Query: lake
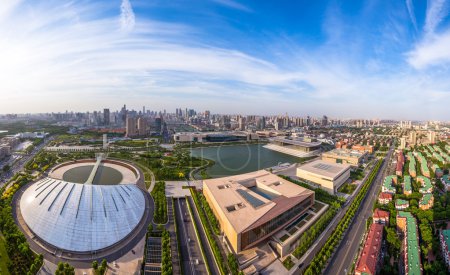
column 238, row 159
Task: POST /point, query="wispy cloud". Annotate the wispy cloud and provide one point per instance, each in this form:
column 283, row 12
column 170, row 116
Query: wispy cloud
column 59, row 55
column 412, row 15
column 436, row 11
column 233, row 4
column 127, row 18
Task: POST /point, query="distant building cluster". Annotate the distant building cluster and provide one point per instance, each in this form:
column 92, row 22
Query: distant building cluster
column 7, row 145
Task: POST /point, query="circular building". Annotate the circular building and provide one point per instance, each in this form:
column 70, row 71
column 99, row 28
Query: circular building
column 75, row 209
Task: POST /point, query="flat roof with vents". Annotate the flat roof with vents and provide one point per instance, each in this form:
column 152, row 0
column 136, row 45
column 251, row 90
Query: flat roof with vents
column 325, row 169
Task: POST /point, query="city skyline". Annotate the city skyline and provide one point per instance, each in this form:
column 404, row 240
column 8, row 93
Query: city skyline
column 360, row 60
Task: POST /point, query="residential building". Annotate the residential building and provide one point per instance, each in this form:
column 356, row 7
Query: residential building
column 426, row 202
column 131, row 127
column 368, row 261
column 413, row 138
column 380, row 216
column 401, row 204
column 400, row 163
column 385, row 198
column 406, row 223
column 388, row 182
column 427, row 187
column 444, row 237
column 328, row 176
column 407, row 188
column 445, row 179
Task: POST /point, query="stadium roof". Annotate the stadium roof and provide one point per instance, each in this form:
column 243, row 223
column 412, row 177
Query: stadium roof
column 81, row 217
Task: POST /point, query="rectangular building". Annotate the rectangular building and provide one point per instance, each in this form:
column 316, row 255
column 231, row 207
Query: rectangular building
column 329, row 176
column 406, row 223
column 444, row 238
column 370, row 254
column 252, row 207
column 345, row 156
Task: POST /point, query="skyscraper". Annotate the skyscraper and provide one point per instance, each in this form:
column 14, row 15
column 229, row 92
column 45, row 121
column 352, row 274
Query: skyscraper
column 106, row 117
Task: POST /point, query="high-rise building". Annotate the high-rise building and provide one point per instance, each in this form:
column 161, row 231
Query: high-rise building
column 241, row 121
column 432, row 136
column 142, row 126
column 158, row 124
column 402, row 143
column 131, row 130
column 106, row 117
column 413, row 138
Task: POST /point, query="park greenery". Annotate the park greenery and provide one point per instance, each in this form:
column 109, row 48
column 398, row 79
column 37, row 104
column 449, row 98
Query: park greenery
column 99, row 269
column 64, row 269
column 159, row 196
column 320, row 260
column 22, row 260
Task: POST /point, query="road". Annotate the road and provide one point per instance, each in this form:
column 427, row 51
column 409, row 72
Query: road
column 206, row 247
column 346, row 251
column 19, row 165
column 321, row 240
column 190, row 249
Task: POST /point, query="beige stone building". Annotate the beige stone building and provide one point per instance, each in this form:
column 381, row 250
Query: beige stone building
column 329, row 176
column 252, row 207
column 345, row 156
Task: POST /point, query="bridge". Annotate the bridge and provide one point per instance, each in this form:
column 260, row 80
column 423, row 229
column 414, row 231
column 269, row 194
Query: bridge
column 91, row 178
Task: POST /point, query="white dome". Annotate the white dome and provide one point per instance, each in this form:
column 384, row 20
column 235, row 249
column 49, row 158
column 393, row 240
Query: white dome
column 81, row 217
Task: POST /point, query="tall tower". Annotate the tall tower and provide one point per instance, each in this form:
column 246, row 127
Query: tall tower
column 131, row 126
column 106, row 117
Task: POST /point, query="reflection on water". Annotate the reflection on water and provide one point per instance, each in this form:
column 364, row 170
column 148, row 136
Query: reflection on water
column 105, row 175
column 238, row 159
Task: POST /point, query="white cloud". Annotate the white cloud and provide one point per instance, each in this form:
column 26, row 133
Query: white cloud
column 434, row 50
column 127, row 18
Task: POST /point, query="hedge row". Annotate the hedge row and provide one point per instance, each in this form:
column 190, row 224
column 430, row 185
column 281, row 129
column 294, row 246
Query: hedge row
column 209, row 234
column 310, row 235
column 159, row 196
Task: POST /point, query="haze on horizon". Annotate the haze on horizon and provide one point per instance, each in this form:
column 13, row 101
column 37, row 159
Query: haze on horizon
column 368, row 59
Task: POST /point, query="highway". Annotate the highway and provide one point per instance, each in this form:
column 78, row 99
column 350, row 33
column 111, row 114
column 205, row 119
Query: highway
column 190, row 249
column 346, row 251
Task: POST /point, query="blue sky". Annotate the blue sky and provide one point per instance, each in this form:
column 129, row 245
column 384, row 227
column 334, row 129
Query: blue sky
column 360, row 59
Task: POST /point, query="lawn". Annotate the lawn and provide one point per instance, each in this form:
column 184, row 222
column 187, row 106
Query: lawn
column 4, row 259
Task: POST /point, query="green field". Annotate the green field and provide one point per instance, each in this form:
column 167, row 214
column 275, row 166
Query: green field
column 4, row 260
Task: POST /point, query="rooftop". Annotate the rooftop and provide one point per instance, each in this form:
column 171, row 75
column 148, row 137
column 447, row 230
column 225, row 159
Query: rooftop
column 414, row 265
column 401, row 202
column 369, row 255
column 253, row 195
column 296, row 141
column 407, row 183
column 388, row 181
column 377, row 213
column 426, row 199
column 344, row 153
column 325, row 169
